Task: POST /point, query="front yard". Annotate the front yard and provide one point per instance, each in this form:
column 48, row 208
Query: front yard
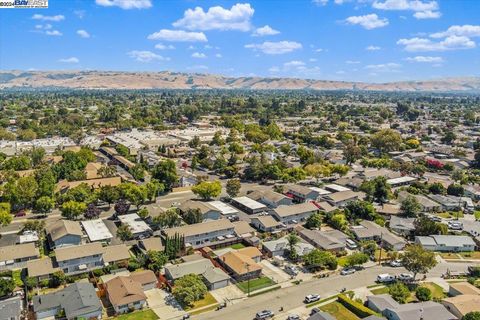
column 138, row 315
column 256, row 284
column 338, row 311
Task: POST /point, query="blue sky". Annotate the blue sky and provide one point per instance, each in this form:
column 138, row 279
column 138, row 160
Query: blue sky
column 353, row 40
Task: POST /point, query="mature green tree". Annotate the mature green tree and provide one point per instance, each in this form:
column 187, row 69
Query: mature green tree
column 167, row 219
column 124, row 232
column 418, row 260
column 474, row 315
column 423, row 294
column 73, row 209
column 360, row 210
column 44, row 205
column 399, row 292
column 318, row 260
column 386, row 140
column 410, row 207
column 188, row 289
column 314, row 221
column 356, row 259
column 7, row 285
column 166, row 172
column 233, row 187
column 156, row 260
column 192, row 216
column 207, row 190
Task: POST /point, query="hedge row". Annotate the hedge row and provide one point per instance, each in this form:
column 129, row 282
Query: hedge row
column 357, row 308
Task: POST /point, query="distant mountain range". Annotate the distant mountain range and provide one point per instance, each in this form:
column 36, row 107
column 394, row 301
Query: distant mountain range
column 175, row 80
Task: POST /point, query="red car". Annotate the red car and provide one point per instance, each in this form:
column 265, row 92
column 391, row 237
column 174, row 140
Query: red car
column 20, row 213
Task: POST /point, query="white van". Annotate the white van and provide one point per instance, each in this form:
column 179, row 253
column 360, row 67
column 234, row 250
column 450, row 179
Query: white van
column 351, row 244
column 383, row 278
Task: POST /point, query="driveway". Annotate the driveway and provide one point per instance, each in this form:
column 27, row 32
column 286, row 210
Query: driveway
column 273, row 272
column 230, row 294
column 163, row 304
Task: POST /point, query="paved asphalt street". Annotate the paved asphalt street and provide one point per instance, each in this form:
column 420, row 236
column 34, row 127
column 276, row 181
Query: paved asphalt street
column 292, row 297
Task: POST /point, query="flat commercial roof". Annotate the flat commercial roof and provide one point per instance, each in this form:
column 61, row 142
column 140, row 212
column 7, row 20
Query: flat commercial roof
column 223, row 207
column 336, row 187
column 136, row 224
column 96, row 230
column 249, row 203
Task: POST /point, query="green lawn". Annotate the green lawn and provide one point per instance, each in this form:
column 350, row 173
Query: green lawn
column 17, row 277
column 338, row 311
column 206, row 301
column 378, row 291
column 256, row 284
column 237, row 246
column 139, row 315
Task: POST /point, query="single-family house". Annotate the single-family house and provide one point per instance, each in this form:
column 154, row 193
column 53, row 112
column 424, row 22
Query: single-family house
column 204, row 234
column 77, row 301
column 270, row 198
column 266, row 223
column 64, row 233
column 16, row 256
column 294, row 213
column 446, row 243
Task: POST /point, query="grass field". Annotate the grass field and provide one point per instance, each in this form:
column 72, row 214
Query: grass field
column 256, row 284
column 206, row 301
column 139, row 315
column 237, row 246
column 338, row 311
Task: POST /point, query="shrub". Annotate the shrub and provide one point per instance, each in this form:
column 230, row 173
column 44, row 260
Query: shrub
column 423, row 294
column 357, row 308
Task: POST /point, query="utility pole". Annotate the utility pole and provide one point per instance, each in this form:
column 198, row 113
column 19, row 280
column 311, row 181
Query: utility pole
column 380, row 255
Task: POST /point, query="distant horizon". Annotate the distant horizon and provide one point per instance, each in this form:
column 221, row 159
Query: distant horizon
column 240, row 77
column 368, row 41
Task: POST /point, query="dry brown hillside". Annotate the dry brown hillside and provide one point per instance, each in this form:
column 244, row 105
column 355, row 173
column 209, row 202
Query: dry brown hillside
column 175, row 80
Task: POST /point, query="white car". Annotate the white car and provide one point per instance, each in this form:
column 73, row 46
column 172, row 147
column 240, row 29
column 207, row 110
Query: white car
column 312, row 298
column 385, row 278
column 396, row 263
column 405, row 277
column 347, row 271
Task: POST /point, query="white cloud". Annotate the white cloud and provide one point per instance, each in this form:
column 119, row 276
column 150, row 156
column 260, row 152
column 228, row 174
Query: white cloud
column 56, row 18
column 449, row 43
column 178, row 35
column 125, row 4
column 83, row 33
column 279, row 47
column 385, row 67
column 199, row 55
column 427, row 14
column 161, row 46
column 425, row 59
column 145, row 56
column 293, row 63
column 70, row 60
column 55, row 33
column 466, row 30
column 369, row 21
column 217, row 18
column 352, row 62
column 320, row 2
column 265, row 31
column 373, row 48
column 422, row 9
column 218, row 55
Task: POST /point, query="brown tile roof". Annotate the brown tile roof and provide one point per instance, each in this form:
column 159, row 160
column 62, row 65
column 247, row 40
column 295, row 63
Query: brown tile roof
column 124, row 290
column 239, row 263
